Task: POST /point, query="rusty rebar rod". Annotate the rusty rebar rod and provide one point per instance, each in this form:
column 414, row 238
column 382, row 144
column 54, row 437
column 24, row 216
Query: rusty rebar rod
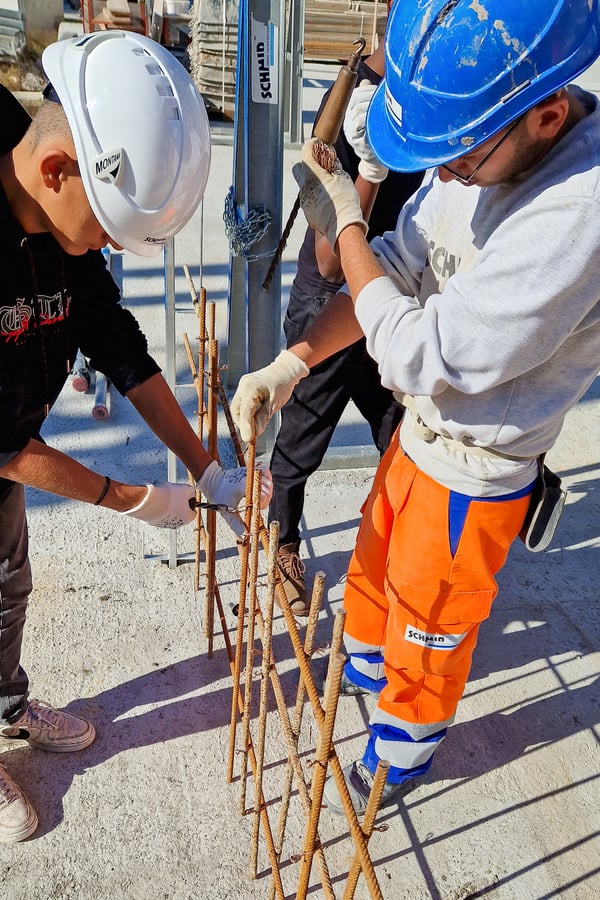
column 200, row 398
column 303, row 658
column 368, row 823
column 324, row 749
column 296, row 724
column 248, row 678
column 211, row 514
column 266, row 637
column 241, row 615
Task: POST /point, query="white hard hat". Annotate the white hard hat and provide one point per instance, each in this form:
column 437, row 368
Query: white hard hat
column 140, row 130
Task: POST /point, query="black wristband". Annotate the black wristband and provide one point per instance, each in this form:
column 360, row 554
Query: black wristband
column 103, row 492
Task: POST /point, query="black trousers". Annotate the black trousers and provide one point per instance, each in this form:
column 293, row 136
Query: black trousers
column 310, row 417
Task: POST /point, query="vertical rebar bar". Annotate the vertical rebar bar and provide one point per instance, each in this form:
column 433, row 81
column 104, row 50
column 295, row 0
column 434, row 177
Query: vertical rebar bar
column 324, row 748
column 266, row 639
column 211, row 516
column 248, row 679
column 296, row 724
column 368, row 824
column 241, row 615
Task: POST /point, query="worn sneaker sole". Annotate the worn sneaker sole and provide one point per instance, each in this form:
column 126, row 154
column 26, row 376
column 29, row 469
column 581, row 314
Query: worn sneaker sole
column 12, row 835
column 18, row 819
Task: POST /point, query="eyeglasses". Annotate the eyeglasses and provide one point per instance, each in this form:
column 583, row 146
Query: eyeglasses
column 486, row 158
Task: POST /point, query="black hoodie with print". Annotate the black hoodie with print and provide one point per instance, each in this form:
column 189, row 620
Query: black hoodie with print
column 51, row 304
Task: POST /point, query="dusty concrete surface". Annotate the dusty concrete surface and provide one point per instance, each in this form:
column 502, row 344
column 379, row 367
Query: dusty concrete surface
column 113, row 633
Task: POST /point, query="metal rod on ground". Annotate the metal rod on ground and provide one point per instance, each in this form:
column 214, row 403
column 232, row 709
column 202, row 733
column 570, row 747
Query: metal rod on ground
column 368, row 823
column 248, row 679
column 266, row 637
column 100, row 407
column 241, row 613
column 80, row 374
column 324, row 748
column 286, row 793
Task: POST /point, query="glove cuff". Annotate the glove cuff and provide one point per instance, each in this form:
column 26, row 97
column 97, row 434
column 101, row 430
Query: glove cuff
column 373, row 172
column 206, row 482
column 138, row 511
column 295, row 366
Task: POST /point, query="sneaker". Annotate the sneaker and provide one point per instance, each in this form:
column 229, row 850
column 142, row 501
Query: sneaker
column 18, row 819
column 50, row 729
column 360, row 780
column 291, row 569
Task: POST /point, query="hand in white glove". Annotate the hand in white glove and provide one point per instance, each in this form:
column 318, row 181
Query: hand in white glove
column 166, row 506
column 329, row 202
column 226, row 488
column 355, row 129
column 262, row 392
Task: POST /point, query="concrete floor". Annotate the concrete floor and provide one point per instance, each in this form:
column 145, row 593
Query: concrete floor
column 116, row 634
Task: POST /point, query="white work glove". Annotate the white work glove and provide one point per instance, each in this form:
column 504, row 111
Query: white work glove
column 329, row 202
column 355, row 129
column 166, row 506
column 226, row 488
column 260, row 393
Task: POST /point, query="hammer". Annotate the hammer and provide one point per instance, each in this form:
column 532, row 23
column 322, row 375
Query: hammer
column 326, row 130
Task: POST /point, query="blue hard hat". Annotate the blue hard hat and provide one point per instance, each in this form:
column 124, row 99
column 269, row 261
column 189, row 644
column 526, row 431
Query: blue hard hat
column 458, row 71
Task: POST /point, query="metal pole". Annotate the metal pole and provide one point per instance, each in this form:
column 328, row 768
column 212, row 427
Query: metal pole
column 259, row 183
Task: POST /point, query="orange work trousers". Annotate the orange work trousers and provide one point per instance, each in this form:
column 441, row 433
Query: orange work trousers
column 420, row 582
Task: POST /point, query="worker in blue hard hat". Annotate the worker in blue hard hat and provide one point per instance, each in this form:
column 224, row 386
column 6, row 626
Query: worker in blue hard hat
column 482, row 310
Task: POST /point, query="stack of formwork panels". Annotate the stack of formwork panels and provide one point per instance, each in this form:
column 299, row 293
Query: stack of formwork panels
column 330, row 28
column 213, row 52
column 12, row 30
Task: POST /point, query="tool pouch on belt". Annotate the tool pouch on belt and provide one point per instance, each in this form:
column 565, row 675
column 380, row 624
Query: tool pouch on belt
column 545, row 507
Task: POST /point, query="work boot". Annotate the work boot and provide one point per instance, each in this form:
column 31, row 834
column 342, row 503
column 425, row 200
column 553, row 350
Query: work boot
column 50, row 729
column 18, row 819
column 360, row 780
column 291, row 569
column 319, row 667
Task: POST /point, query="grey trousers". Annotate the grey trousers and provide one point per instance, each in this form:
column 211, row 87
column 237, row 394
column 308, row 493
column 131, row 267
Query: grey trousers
column 15, row 587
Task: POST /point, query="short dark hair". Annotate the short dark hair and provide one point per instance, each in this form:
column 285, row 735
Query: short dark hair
column 50, row 119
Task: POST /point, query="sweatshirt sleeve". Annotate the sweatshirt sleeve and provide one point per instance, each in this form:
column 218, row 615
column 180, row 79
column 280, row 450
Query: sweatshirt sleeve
column 509, row 314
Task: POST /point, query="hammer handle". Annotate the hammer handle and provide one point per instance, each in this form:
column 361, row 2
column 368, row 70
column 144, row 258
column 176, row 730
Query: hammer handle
column 329, row 123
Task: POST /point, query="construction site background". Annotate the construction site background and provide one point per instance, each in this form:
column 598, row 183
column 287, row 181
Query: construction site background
column 117, row 635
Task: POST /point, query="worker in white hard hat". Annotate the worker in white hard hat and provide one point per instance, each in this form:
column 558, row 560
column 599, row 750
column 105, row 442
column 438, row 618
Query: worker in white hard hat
column 482, row 310
column 118, row 154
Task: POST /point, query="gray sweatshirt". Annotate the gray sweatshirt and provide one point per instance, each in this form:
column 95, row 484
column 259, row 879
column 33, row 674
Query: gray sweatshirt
column 489, row 314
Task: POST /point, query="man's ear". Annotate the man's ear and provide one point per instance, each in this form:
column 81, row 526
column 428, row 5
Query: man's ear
column 55, row 167
column 550, row 115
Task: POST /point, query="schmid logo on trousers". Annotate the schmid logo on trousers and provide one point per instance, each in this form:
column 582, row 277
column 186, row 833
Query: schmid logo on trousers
column 431, row 640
